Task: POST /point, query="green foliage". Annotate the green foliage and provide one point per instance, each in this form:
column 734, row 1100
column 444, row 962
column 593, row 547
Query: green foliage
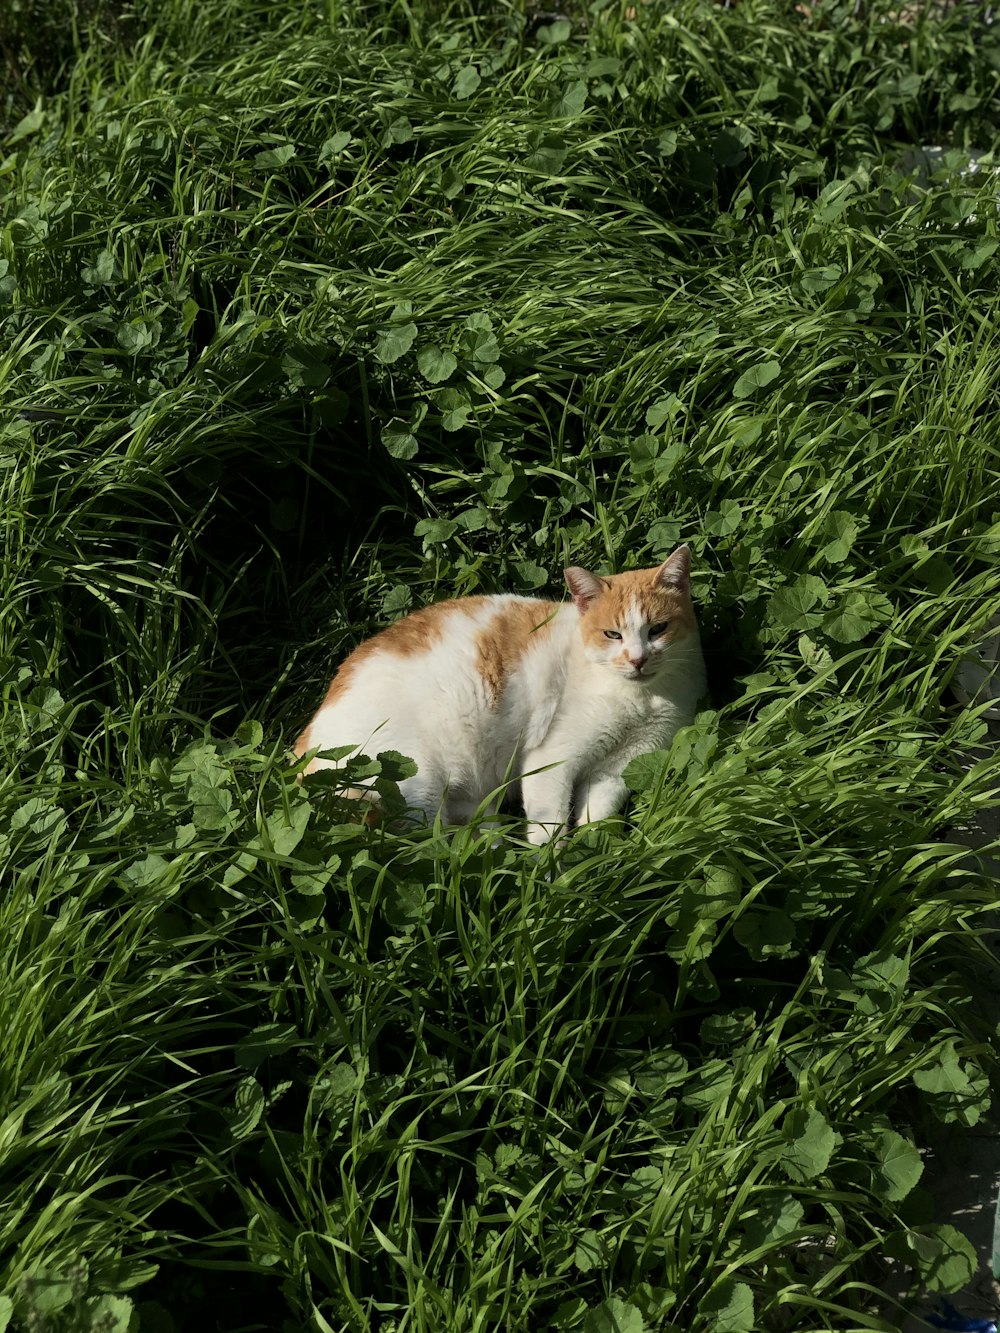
column 614, row 1316
column 310, row 315
column 729, row 1307
column 941, row 1255
column 810, row 1143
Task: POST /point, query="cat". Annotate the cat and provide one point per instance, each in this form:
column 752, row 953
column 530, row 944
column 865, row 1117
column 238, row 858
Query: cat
column 556, row 695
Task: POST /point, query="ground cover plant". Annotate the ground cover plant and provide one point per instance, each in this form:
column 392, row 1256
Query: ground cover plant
column 313, row 313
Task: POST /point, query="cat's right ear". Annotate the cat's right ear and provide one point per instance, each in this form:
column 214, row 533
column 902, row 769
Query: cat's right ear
column 675, row 572
column 584, row 586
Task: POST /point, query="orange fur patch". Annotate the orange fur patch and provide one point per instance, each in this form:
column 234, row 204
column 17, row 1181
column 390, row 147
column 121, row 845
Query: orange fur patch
column 505, row 640
column 413, row 634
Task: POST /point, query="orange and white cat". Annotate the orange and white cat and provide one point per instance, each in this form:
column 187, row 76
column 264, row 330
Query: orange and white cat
column 558, row 696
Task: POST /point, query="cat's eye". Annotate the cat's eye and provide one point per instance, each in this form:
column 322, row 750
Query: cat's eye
column 657, row 631
column 611, row 634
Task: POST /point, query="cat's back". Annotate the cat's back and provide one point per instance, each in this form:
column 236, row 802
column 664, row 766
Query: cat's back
column 441, row 668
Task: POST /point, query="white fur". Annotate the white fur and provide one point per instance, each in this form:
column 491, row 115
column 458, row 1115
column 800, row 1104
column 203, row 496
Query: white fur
column 567, row 723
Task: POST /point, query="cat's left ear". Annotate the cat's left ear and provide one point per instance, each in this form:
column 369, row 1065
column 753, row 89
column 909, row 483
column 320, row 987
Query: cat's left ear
column 584, row 586
column 675, row 572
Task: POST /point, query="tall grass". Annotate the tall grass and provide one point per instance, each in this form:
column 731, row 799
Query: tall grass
column 314, row 313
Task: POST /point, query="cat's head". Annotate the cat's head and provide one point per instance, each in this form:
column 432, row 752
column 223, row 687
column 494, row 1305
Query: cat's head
column 629, row 622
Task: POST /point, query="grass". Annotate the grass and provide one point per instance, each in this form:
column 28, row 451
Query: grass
column 311, row 314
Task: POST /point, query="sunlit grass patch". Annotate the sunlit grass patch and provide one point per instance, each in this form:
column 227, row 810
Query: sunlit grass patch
column 313, row 315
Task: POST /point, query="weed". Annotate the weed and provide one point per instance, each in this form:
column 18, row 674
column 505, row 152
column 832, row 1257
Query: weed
column 311, row 314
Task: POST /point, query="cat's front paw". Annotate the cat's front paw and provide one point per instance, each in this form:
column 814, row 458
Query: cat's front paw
column 539, row 835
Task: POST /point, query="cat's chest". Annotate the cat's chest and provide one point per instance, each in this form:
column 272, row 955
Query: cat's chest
column 615, row 711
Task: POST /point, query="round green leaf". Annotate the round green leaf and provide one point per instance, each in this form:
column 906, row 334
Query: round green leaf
column 659, row 1072
column 250, row 733
column 729, row 1307
column 286, row 826
column 842, row 528
column 572, row 101
column 138, row 334
column 809, row 1146
column 455, row 408
column 726, row 519
column 590, row 1252
column 51, row 1290
column 399, row 440
column 399, row 598
column 662, row 410
column 614, row 1316
column 725, row 1029
column 435, row 364
column 275, row 157
column 434, row 530
column 103, row 270
column 547, row 156
column 816, row 658
column 452, row 183
column 792, row 606
column 334, row 146
column 708, row 1085
column 27, row 125
column 268, row 1040
column 399, row 130
column 756, row 378
column 899, row 1166
column 856, row 616
column 478, row 339
column 146, row 871
column 551, row 34
column 396, row 338
column 942, row 1256
column 467, row 80
column 111, row 1314
column 765, row 934
column 778, row 1215
column 644, row 772
column 821, row 279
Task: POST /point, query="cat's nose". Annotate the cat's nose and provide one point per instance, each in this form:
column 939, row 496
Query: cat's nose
column 639, row 661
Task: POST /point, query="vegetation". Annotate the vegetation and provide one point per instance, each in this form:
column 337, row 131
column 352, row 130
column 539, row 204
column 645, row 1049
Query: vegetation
column 311, row 313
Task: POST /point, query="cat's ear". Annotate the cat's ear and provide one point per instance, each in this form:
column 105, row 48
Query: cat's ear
column 584, row 586
column 675, row 572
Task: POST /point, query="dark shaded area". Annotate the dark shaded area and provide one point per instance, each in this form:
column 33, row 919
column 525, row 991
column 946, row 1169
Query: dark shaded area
column 40, row 38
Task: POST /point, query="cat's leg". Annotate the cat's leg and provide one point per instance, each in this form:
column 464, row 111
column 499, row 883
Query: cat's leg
column 458, row 812
column 485, row 815
column 423, row 794
column 547, row 796
column 460, row 809
column 600, row 795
